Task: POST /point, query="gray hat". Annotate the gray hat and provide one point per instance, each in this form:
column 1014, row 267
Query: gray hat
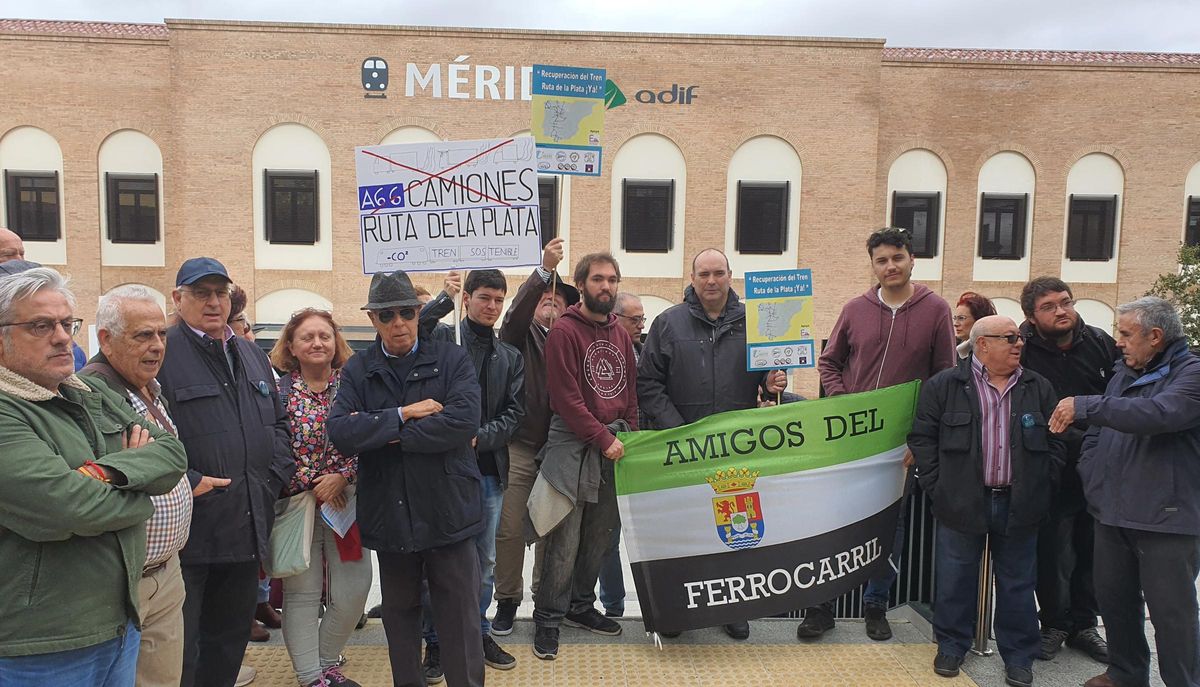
column 16, row 267
column 394, row 290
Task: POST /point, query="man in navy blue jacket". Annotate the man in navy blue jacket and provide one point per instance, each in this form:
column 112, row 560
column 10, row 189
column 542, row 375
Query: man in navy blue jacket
column 1140, row 468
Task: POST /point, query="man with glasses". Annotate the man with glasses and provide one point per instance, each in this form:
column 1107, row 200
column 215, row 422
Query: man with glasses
column 222, row 395
column 410, row 409
column 986, row 458
column 80, row 468
column 1078, row 360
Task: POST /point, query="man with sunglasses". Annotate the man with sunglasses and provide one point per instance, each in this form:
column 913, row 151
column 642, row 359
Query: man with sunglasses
column 986, row 458
column 409, row 409
column 222, row 395
column 1078, row 360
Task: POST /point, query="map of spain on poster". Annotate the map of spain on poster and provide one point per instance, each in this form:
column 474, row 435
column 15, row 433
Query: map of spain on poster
column 568, row 119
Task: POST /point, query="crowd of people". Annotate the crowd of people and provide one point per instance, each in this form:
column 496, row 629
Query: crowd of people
column 142, row 486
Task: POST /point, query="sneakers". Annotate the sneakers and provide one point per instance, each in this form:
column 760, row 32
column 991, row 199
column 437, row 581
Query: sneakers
column 1052, row 641
column 817, row 621
column 1016, row 676
column 737, row 631
column 1091, row 643
column 496, row 657
column 334, row 678
column 878, row 627
column 432, row 665
column 506, row 612
column 592, row 621
column 947, row 665
column 545, row 643
column 319, row 682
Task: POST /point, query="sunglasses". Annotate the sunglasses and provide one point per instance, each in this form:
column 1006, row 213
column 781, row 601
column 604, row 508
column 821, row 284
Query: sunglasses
column 386, row 316
column 1010, row 338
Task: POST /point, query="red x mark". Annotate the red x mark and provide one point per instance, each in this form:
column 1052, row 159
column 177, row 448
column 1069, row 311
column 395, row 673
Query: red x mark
column 438, row 175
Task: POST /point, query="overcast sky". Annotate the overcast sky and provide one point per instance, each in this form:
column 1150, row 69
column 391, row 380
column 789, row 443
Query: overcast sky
column 1147, row 25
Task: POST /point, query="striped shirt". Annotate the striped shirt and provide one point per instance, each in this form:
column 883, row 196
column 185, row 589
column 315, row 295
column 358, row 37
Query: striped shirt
column 167, row 530
column 996, row 437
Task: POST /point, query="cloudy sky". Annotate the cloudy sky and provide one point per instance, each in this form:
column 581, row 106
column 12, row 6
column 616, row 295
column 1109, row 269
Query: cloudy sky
column 1148, row 25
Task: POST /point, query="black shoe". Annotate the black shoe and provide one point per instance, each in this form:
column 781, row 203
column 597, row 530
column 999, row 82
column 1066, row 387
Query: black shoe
column 947, row 665
column 545, row 643
column 432, row 665
column 1018, row 677
column 1091, row 643
column 669, row 635
column 592, row 621
column 376, row 611
column 737, row 630
column 878, row 627
column 1052, row 641
column 506, row 612
column 817, row 621
column 496, row 657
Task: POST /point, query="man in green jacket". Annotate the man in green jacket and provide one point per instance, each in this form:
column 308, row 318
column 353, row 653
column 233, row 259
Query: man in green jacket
column 79, row 468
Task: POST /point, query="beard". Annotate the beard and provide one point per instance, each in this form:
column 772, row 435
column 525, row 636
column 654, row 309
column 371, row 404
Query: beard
column 596, row 305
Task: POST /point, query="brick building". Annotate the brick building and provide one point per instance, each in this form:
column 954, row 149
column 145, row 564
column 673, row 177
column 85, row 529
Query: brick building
column 127, row 148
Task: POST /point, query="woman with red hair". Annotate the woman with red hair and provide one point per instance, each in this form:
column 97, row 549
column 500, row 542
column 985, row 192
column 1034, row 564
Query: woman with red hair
column 971, row 306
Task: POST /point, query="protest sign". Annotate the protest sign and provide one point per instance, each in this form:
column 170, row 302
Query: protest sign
column 568, row 119
column 751, row 513
column 448, row 205
column 779, row 318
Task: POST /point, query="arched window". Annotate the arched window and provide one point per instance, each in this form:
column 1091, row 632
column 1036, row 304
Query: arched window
column 649, row 179
column 31, row 202
column 131, row 200
column 293, row 219
column 762, row 206
column 917, row 201
column 1097, row 313
column 1005, row 211
column 1091, row 242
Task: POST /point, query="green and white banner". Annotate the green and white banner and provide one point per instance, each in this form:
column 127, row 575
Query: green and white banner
column 752, row 513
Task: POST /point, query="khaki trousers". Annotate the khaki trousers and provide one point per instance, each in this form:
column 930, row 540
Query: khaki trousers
column 160, row 599
column 510, row 536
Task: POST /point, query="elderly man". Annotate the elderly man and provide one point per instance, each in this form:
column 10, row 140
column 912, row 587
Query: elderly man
column 1140, row 468
column 79, row 469
column 986, row 459
column 132, row 332
column 410, row 409
column 221, row 392
column 11, row 246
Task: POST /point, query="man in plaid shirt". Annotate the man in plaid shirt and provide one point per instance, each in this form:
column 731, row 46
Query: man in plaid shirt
column 132, row 332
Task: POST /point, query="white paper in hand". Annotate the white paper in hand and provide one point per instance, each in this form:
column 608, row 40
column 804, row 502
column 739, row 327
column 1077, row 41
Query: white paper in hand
column 340, row 520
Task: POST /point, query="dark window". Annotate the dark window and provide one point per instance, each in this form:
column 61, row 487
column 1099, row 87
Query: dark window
column 648, row 217
column 918, row 213
column 32, row 202
column 762, row 217
column 1191, row 233
column 132, row 207
column 1002, row 226
column 1091, row 227
column 291, row 206
column 548, row 199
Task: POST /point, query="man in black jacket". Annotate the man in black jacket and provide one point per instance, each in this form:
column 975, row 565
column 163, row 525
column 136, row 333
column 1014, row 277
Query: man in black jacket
column 501, row 374
column 222, row 396
column 1078, row 361
column 410, row 409
column 989, row 464
column 694, row 361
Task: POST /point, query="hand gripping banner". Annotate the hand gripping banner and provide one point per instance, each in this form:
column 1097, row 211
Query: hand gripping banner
column 752, row 513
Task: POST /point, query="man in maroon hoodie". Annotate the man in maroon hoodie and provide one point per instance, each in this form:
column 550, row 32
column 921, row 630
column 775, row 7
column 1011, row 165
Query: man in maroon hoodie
column 896, row 332
column 591, row 377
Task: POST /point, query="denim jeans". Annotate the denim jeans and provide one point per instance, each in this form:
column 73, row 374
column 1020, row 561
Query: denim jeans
column 879, row 588
column 108, row 664
column 1014, row 560
column 612, row 577
column 313, row 642
column 485, row 547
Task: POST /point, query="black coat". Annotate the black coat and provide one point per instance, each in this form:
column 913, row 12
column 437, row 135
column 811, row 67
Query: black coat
column 233, row 426
column 692, row 367
column 1082, row 370
column 504, row 396
column 946, row 442
column 419, row 486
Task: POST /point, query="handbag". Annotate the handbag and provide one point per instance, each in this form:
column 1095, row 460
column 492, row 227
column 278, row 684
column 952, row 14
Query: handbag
column 289, row 551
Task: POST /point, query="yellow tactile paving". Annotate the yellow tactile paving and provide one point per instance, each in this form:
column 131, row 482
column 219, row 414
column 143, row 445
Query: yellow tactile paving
column 696, row 665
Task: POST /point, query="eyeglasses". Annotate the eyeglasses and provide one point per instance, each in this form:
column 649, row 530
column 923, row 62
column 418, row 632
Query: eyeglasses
column 205, row 294
column 43, row 328
column 386, row 316
column 1051, row 308
column 960, row 318
column 640, row 319
column 1010, row 338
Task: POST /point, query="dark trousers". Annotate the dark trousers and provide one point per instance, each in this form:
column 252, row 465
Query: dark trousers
column 1065, row 592
column 217, row 612
column 574, row 552
column 612, row 577
column 1136, row 569
column 957, row 589
column 453, row 575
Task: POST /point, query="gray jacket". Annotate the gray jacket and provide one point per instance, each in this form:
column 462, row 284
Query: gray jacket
column 570, row 471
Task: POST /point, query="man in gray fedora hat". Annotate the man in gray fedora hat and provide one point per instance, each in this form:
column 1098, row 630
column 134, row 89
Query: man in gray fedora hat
column 409, row 410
